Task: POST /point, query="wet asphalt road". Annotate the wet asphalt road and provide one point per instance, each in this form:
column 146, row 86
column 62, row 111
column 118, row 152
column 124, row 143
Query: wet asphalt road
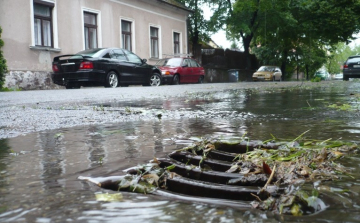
column 23, row 112
column 101, row 132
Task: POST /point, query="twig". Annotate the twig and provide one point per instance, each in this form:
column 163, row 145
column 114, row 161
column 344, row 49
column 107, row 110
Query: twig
column 270, row 178
column 308, row 103
column 257, row 197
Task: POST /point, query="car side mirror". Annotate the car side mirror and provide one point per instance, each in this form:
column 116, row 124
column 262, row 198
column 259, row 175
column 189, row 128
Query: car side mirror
column 144, row 60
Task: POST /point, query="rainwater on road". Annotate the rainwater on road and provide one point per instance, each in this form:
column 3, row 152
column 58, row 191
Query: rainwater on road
column 50, row 138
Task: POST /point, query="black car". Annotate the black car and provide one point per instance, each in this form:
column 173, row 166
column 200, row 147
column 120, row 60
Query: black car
column 109, row 67
column 351, row 68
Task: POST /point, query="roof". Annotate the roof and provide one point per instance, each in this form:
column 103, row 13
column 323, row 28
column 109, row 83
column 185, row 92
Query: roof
column 176, row 4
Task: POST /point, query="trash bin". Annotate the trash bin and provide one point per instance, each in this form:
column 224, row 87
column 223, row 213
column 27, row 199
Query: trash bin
column 233, row 75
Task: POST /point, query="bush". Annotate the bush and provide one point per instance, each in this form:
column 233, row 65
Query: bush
column 3, row 67
column 316, row 79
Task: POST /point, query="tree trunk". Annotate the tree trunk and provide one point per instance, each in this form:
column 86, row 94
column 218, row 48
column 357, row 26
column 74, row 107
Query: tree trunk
column 196, row 31
column 246, row 42
column 283, row 64
column 307, row 71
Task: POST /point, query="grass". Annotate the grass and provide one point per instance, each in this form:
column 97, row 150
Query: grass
column 9, row 89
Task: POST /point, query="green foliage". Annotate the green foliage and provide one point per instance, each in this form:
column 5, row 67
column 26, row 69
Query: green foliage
column 330, row 21
column 3, row 67
column 338, row 55
column 198, row 27
column 342, row 107
column 316, row 79
column 294, row 34
column 234, row 45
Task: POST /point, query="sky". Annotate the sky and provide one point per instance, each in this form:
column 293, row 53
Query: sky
column 355, row 42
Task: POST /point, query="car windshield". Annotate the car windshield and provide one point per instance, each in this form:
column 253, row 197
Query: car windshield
column 88, row 53
column 171, row 62
column 264, row 68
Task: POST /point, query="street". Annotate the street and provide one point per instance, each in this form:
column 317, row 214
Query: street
column 51, row 138
column 27, row 111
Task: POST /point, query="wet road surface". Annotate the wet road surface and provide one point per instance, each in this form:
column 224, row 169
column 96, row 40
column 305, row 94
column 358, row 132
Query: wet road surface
column 50, row 138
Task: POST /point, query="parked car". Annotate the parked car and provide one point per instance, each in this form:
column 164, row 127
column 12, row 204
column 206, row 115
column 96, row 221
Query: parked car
column 339, row 76
column 267, row 73
column 176, row 70
column 322, row 74
column 109, row 67
column 351, row 68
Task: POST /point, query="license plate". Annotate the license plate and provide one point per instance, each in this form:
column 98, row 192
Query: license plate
column 356, row 66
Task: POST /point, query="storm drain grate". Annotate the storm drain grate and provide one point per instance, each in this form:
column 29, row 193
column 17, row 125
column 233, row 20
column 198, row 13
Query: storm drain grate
column 252, row 174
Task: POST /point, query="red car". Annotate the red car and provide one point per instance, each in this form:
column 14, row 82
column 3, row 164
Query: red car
column 178, row 70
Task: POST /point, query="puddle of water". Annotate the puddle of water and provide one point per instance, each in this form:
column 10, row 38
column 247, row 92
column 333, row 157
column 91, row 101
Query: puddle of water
column 38, row 172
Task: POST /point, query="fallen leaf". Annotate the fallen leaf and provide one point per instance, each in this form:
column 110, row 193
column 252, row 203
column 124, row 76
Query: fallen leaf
column 266, row 168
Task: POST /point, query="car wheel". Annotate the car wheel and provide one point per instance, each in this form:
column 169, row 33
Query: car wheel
column 155, row 80
column 176, row 80
column 72, row 86
column 201, row 80
column 112, row 80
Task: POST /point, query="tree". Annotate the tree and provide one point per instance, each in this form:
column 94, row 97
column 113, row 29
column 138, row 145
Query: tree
column 337, row 57
column 3, row 67
column 234, row 45
column 197, row 25
column 294, row 31
column 321, row 25
column 239, row 19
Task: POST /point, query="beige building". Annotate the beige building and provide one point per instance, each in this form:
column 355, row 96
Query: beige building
column 35, row 31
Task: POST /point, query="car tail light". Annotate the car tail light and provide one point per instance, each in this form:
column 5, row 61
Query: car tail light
column 86, row 65
column 345, row 66
column 55, row 68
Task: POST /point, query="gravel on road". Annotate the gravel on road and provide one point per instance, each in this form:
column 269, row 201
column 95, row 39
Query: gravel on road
column 23, row 112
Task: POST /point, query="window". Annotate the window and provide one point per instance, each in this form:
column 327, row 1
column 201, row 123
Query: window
column 43, row 24
column 193, row 63
column 186, row 63
column 132, row 57
column 119, row 55
column 126, row 34
column 154, row 42
column 90, row 30
column 176, row 43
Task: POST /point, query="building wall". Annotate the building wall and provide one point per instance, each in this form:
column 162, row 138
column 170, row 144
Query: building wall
column 16, row 20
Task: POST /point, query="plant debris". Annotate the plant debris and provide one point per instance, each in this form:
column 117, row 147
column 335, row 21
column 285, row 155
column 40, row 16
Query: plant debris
column 267, row 174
